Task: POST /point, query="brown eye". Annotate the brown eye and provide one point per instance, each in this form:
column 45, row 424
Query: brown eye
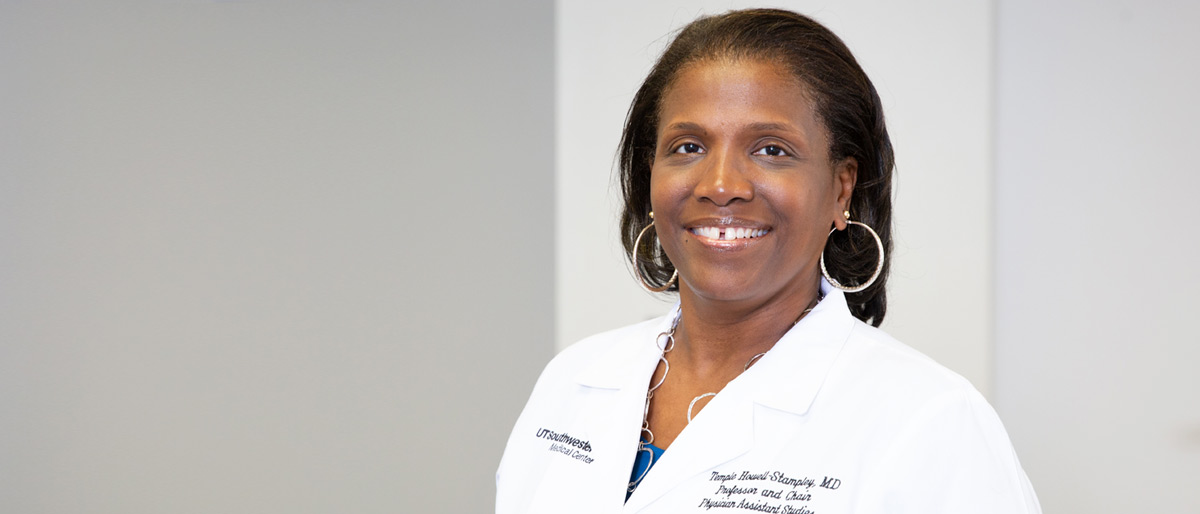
column 772, row 151
column 688, row 148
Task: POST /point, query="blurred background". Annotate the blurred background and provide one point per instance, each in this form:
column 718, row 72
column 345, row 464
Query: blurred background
column 311, row 256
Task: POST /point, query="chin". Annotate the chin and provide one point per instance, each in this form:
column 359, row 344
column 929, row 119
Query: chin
column 727, row 289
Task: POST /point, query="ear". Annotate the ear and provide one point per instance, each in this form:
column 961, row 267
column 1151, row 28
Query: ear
column 845, row 175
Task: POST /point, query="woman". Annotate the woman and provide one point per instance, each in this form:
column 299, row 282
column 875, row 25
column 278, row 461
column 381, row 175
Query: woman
column 755, row 153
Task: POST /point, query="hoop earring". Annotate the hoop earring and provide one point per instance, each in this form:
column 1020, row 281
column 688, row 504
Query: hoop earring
column 878, row 266
column 634, row 260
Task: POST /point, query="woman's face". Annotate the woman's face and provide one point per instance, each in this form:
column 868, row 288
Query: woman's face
column 742, row 187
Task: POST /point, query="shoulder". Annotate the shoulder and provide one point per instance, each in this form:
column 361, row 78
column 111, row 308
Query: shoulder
column 611, row 345
column 882, row 365
column 599, row 360
column 889, row 386
column 908, row 392
column 929, row 422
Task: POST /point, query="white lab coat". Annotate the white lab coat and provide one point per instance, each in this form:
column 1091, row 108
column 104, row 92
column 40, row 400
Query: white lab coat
column 838, row 417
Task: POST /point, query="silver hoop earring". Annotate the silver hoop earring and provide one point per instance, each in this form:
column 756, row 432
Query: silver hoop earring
column 637, row 243
column 878, row 266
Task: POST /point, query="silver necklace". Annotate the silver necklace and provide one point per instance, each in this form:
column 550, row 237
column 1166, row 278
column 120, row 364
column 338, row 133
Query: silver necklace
column 666, row 342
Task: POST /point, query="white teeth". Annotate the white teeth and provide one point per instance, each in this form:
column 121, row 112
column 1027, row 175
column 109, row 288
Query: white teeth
column 729, row 233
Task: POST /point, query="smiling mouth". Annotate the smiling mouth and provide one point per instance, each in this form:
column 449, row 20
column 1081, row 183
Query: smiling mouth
column 728, row 233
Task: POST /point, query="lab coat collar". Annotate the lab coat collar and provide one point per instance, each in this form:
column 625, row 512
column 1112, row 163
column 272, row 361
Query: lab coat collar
column 790, row 375
column 613, row 369
column 792, row 371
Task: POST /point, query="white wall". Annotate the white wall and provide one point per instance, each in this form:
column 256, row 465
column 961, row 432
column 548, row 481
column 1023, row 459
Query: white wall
column 931, row 63
column 1096, row 185
column 270, row 257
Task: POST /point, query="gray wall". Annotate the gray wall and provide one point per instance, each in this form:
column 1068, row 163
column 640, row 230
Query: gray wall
column 1096, row 268
column 270, row 258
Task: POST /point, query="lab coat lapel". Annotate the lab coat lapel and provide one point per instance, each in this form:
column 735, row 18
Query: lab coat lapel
column 618, row 383
column 722, row 431
column 796, row 368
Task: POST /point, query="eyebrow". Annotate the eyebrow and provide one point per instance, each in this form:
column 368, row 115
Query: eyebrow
column 767, row 127
column 688, row 126
column 757, row 127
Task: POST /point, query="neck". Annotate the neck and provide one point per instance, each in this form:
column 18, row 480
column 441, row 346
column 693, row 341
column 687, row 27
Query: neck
column 717, row 335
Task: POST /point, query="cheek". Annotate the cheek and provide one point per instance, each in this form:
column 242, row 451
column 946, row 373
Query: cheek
column 665, row 192
column 667, row 197
column 808, row 207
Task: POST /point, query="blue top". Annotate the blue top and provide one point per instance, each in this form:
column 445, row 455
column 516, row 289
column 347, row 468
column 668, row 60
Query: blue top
column 647, row 455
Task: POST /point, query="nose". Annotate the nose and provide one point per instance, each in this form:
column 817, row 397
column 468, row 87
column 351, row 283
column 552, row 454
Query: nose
column 723, row 179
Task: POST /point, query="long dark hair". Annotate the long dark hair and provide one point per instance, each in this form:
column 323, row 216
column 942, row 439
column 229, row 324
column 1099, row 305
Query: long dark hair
column 845, row 102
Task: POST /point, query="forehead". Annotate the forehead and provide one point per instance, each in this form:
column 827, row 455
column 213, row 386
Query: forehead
column 736, row 91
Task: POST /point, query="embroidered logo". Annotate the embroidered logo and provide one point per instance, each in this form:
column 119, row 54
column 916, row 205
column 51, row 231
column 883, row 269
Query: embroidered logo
column 563, row 443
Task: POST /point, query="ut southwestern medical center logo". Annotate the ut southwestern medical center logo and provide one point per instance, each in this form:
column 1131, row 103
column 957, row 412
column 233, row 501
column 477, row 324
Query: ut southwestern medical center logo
column 563, row 443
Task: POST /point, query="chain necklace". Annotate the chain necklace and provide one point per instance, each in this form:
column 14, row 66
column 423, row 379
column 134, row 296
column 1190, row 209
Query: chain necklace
column 666, row 342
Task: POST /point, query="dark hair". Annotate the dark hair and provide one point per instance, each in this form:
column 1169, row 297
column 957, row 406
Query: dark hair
column 845, row 101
